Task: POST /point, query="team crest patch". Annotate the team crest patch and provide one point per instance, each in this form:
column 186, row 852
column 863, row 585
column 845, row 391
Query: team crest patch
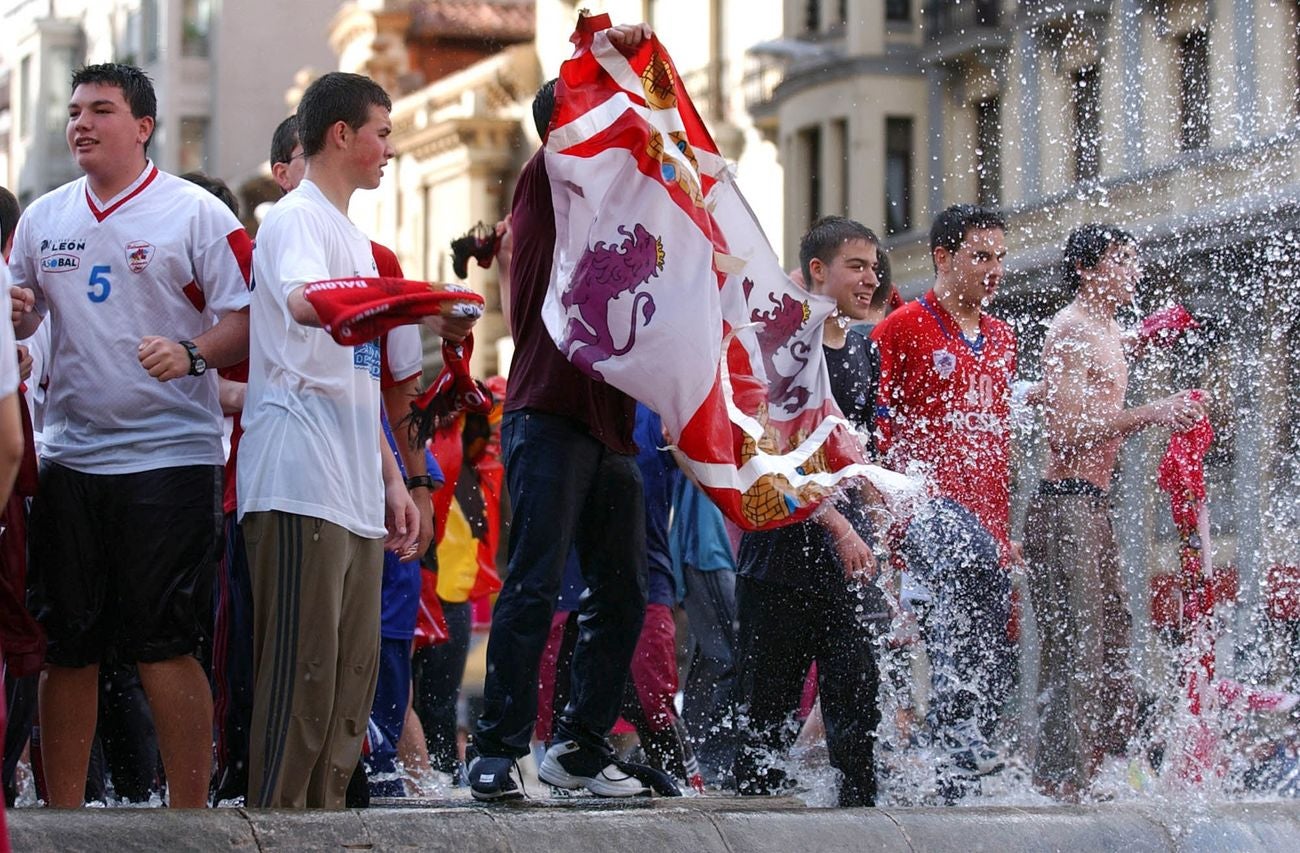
column 138, row 255
column 944, row 363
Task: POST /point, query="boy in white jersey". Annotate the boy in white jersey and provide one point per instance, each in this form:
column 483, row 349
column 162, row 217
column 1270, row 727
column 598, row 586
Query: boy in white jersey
column 309, row 481
column 145, row 276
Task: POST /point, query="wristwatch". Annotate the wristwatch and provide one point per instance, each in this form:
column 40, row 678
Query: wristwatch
column 198, row 364
column 420, row 481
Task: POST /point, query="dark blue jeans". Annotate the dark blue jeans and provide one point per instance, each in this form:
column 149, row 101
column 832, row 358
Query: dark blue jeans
column 566, row 490
column 965, row 627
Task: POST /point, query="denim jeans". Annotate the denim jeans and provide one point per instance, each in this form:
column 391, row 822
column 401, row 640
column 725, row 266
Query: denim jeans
column 566, row 490
column 955, row 556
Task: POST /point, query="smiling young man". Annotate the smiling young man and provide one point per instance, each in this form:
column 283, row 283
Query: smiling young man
column 1085, row 683
column 802, row 591
column 145, row 279
column 943, row 412
column 312, row 483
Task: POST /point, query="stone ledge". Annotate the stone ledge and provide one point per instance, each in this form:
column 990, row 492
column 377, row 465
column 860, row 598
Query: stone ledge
column 698, row 825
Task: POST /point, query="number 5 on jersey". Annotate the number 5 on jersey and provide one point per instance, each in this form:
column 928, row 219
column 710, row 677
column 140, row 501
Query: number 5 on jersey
column 99, row 285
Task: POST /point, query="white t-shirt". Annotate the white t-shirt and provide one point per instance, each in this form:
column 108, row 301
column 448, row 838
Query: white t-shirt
column 8, row 348
column 311, row 414
column 163, row 257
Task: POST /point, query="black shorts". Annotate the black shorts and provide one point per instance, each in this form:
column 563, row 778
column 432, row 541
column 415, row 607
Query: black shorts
column 122, row 565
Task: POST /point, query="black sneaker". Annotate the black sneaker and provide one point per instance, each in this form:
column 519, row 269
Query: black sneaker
column 492, row 779
column 568, row 765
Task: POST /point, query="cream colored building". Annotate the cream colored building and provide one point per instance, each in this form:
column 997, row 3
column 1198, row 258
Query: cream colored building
column 220, row 71
column 1174, row 118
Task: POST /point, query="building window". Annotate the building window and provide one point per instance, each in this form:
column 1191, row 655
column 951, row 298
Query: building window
column 810, row 141
column 898, row 175
column 1087, row 123
column 988, row 150
column 1194, row 97
column 196, row 20
column 812, row 16
column 840, row 141
column 898, row 10
column 194, row 143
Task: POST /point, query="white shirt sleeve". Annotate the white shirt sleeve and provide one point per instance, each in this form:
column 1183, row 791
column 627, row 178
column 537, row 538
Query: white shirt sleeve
column 223, row 258
column 401, row 354
column 301, row 255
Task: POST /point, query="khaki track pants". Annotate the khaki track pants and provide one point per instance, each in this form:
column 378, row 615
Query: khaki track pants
column 316, row 610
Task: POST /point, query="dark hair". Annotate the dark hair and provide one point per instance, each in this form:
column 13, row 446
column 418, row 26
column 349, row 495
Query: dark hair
column 334, row 97
column 824, row 239
column 951, row 226
column 217, row 187
column 544, row 107
column 137, row 88
column 283, row 140
column 1086, row 246
column 8, row 216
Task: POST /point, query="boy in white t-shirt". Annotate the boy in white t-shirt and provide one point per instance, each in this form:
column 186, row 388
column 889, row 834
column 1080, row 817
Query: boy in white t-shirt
column 311, row 478
column 145, row 278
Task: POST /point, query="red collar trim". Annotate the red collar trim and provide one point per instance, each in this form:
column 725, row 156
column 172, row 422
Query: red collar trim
column 101, row 215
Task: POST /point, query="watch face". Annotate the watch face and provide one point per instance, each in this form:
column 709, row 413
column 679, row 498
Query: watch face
column 200, row 365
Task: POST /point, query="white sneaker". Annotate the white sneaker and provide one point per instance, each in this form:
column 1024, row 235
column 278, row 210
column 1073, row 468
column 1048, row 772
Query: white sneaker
column 969, row 751
column 570, row 766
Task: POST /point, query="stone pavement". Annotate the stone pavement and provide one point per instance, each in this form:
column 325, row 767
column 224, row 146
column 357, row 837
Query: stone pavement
column 687, row 825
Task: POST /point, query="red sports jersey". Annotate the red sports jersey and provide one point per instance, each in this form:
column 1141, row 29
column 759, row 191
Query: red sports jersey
column 945, row 402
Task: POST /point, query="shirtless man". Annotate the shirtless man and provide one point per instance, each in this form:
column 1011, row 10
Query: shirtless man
column 1084, row 681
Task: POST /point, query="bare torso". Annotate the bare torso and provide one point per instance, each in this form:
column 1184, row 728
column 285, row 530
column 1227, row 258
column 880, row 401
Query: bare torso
column 1086, row 379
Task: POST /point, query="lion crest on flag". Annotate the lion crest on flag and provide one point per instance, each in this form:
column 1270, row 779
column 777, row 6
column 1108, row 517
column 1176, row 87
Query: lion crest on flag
column 654, row 237
column 604, row 274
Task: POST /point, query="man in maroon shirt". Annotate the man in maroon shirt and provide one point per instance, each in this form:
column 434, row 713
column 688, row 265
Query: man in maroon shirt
column 573, row 481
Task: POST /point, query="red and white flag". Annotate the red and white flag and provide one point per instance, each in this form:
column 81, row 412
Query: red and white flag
column 665, row 287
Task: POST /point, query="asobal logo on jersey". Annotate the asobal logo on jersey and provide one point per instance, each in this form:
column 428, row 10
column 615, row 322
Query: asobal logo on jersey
column 57, row 255
column 138, row 255
column 59, row 263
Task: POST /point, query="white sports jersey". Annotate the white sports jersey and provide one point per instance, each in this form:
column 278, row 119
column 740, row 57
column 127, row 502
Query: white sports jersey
column 163, row 257
column 8, row 348
column 311, row 415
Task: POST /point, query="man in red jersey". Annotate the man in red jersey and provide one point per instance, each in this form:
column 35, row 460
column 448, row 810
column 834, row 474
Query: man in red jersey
column 943, row 413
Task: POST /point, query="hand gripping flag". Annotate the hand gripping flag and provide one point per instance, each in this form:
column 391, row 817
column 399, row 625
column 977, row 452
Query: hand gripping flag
column 664, row 286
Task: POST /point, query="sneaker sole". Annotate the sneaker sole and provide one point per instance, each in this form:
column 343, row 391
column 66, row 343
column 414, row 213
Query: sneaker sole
column 495, row 797
column 553, row 774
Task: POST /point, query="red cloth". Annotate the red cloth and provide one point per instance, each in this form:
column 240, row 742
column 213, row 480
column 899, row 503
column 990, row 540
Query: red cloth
column 452, row 391
column 1182, row 470
column 358, row 309
column 1164, row 327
